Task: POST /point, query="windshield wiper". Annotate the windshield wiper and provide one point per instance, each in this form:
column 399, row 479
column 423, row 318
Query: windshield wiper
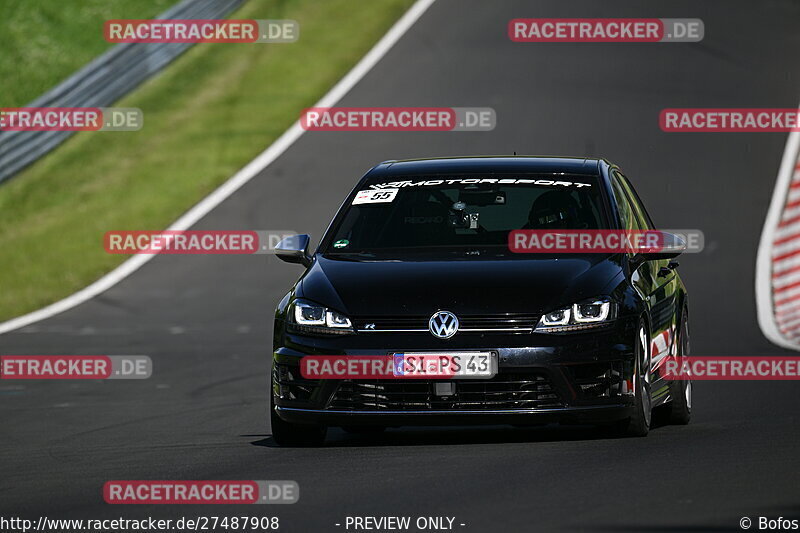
column 353, row 254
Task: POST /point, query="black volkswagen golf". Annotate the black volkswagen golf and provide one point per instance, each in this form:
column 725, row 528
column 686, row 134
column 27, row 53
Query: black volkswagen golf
column 417, row 261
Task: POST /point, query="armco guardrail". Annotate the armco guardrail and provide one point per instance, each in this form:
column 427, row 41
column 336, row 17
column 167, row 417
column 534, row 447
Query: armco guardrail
column 102, row 82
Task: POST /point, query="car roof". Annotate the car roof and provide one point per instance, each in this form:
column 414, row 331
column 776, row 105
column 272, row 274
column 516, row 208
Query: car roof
column 489, row 164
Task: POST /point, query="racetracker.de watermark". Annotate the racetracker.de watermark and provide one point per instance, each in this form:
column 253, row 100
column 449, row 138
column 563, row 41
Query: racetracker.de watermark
column 200, row 31
column 71, row 119
column 605, row 30
column 75, row 367
column 741, row 120
column 605, row 241
column 200, row 492
column 148, row 524
column 416, row 365
column 733, row 368
column 194, row 242
column 398, row 119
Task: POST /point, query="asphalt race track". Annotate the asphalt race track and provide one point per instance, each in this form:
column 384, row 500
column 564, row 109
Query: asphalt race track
column 206, row 320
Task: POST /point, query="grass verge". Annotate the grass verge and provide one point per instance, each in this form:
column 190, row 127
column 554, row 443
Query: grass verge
column 206, row 116
column 42, row 42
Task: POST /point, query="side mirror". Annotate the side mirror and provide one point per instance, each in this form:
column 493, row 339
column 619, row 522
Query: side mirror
column 294, row 249
column 671, row 246
column 661, row 255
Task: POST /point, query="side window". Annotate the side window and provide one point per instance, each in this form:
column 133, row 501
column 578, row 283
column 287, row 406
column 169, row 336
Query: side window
column 629, row 221
column 636, row 203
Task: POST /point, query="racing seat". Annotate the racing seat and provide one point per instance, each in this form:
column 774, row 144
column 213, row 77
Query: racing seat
column 555, row 210
column 424, row 224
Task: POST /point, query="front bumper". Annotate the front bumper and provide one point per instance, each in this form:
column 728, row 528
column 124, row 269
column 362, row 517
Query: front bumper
column 564, row 415
column 581, row 378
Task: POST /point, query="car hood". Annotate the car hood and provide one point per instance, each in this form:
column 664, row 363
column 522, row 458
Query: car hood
column 470, row 287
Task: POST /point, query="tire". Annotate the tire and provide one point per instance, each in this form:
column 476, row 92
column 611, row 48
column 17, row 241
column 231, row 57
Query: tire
column 294, row 435
column 364, row 430
column 638, row 425
column 679, row 409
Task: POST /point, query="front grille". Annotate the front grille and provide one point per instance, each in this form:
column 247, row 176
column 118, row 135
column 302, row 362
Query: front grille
column 502, row 392
column 507, row 323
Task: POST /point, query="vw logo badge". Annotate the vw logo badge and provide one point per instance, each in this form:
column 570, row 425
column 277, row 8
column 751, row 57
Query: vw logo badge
column 443, row 324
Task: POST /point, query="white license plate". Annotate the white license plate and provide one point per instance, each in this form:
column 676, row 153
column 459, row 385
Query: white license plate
column 445, row 365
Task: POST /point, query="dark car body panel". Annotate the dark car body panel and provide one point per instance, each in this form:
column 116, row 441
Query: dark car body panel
column 415, row 287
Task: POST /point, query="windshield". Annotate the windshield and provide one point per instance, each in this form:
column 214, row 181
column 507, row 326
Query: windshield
column 421, row 214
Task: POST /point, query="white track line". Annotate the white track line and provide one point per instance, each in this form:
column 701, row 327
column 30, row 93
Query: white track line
column 240, row 178
column 764, row 303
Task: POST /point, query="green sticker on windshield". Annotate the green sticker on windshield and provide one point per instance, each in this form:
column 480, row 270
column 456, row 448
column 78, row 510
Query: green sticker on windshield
column 342, row 243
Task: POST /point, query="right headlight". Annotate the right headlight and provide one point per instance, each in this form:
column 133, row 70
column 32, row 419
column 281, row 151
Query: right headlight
column 576, row 317
column 308, row 317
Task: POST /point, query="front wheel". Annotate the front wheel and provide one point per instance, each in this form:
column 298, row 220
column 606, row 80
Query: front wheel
column 680, row 390
column 294, row 435
column 638, row 425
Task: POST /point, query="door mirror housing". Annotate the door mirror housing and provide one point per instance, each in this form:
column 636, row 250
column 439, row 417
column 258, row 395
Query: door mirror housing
column 672, row 246
column 294, row 249
column 660, row 255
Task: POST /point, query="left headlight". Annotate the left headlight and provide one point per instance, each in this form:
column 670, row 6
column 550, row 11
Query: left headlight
column 580, row 316
column 308, row 317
